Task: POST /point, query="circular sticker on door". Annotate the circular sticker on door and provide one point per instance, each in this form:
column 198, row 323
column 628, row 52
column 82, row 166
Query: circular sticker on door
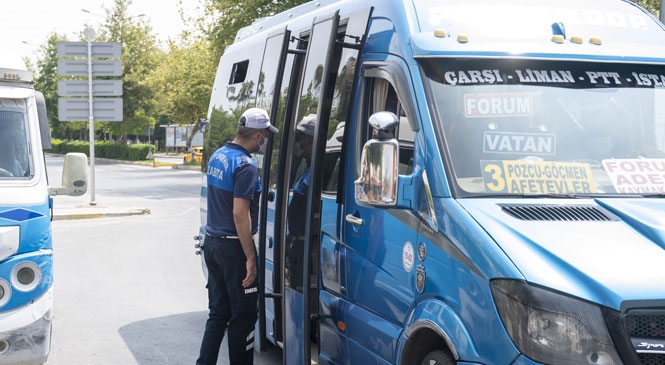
column 407, row 256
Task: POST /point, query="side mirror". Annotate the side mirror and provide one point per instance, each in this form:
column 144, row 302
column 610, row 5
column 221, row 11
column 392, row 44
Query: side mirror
column 74, row 176
column 379, row 162
column 377, row 183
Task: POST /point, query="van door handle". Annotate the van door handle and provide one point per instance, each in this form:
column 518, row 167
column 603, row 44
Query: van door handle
column 354, row 220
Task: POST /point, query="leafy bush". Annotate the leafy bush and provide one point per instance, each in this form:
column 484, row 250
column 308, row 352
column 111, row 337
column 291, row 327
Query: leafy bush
column 103, row 149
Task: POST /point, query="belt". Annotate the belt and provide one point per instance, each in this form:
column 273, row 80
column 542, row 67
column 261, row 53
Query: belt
column 223, row 237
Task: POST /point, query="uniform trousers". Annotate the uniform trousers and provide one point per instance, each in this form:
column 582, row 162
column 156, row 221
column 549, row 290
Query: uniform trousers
column 232, row 307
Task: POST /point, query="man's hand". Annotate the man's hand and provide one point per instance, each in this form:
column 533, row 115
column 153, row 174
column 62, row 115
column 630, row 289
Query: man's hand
column 251, row 273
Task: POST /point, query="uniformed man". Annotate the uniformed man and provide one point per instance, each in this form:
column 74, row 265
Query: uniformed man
column 234, row 188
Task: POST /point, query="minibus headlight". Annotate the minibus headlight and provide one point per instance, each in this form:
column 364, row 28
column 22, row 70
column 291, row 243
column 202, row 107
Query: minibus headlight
column 26, row 276
column 552, row 328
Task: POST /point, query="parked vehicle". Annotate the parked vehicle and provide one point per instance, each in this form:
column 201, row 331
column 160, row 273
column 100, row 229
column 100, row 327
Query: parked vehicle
column 26, row 250
column 494, row 196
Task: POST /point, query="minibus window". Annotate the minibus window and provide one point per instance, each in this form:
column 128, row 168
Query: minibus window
column 384, row 98
column 14, row 153
column 239, row 72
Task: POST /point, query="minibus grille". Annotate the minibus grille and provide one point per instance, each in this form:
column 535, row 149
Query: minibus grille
column 649, row 326
column 540, row 212
column 651, row 359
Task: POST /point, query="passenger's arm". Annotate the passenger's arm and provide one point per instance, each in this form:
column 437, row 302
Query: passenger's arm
column 243, row 223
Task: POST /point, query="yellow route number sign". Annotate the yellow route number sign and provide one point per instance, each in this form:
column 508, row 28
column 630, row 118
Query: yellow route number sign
column 537, row 177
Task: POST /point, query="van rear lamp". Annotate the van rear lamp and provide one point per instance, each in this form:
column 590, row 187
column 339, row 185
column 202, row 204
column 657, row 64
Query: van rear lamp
column 5, row 292
column 440, row 33
column 576, row 39
column 26, row 276
column 558, row 39
column 595, row 40
column 462, row 38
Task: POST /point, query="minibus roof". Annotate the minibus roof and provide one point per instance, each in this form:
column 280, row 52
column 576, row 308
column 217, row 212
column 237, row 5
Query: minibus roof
column 568, row 29
column 13, row 70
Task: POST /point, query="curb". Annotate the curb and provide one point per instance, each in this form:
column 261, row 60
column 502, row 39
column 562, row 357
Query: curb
column 146, row 163
column 68, row 216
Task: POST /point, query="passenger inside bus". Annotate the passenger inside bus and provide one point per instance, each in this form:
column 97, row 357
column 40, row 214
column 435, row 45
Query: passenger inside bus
column 298, row 205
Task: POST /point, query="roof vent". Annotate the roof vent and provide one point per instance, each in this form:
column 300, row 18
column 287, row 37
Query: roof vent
column 558, row 212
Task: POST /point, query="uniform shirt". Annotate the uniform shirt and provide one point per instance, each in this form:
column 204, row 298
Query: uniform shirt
column 231, row 174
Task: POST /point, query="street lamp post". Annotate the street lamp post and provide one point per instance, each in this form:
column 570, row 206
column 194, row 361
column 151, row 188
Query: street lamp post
column 89, row 34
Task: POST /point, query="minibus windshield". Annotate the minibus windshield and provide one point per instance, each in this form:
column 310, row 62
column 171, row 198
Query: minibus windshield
column 14, row 152
column 522, row 127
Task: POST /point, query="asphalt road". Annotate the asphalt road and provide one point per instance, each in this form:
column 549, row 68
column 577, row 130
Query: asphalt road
column 129, row 290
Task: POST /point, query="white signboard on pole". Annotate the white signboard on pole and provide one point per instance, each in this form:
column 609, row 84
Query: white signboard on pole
column 77, row 109
column 80, row 68
column 80, row 49
column 99, row 87
column 95, row 105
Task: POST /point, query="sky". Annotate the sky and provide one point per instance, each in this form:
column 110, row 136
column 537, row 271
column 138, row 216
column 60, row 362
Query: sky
column 26, row 24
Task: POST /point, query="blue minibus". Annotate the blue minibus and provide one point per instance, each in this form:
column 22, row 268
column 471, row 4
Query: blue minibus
column 486, row 183
column 26, row 210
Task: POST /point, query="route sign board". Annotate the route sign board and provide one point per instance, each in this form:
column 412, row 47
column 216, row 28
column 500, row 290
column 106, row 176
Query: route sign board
column 99, row 87
column 80, row 49
column 80, row 68
column 76, row 109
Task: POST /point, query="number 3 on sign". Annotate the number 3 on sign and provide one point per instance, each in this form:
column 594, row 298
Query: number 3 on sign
column 493, row 176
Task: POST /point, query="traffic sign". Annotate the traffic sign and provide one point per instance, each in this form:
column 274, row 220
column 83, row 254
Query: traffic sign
column 80, row 68
column 99, row 87
column 76, row 109
column 80, row 49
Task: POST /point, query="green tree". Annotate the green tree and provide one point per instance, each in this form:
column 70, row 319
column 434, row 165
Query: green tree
column 182, row 82
column 223, row 18
column 140, row 56
column 46, row 81
column 653, row 6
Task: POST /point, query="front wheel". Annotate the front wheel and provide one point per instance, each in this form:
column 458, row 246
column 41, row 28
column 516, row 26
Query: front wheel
column 438, row 357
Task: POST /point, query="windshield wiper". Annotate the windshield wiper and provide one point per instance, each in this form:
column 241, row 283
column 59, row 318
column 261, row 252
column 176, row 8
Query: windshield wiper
column 657, row 195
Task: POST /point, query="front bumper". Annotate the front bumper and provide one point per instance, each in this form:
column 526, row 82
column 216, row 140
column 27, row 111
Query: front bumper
column 25, row 332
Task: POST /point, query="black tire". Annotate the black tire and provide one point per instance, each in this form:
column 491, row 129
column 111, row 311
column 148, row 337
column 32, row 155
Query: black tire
column 438, row 357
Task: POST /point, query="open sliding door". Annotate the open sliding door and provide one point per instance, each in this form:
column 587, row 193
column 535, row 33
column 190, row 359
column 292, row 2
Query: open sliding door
column 299, row 299
column 327, row 54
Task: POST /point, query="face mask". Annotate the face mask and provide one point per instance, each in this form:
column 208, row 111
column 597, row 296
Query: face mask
column 263, row 145
column 297, row 149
